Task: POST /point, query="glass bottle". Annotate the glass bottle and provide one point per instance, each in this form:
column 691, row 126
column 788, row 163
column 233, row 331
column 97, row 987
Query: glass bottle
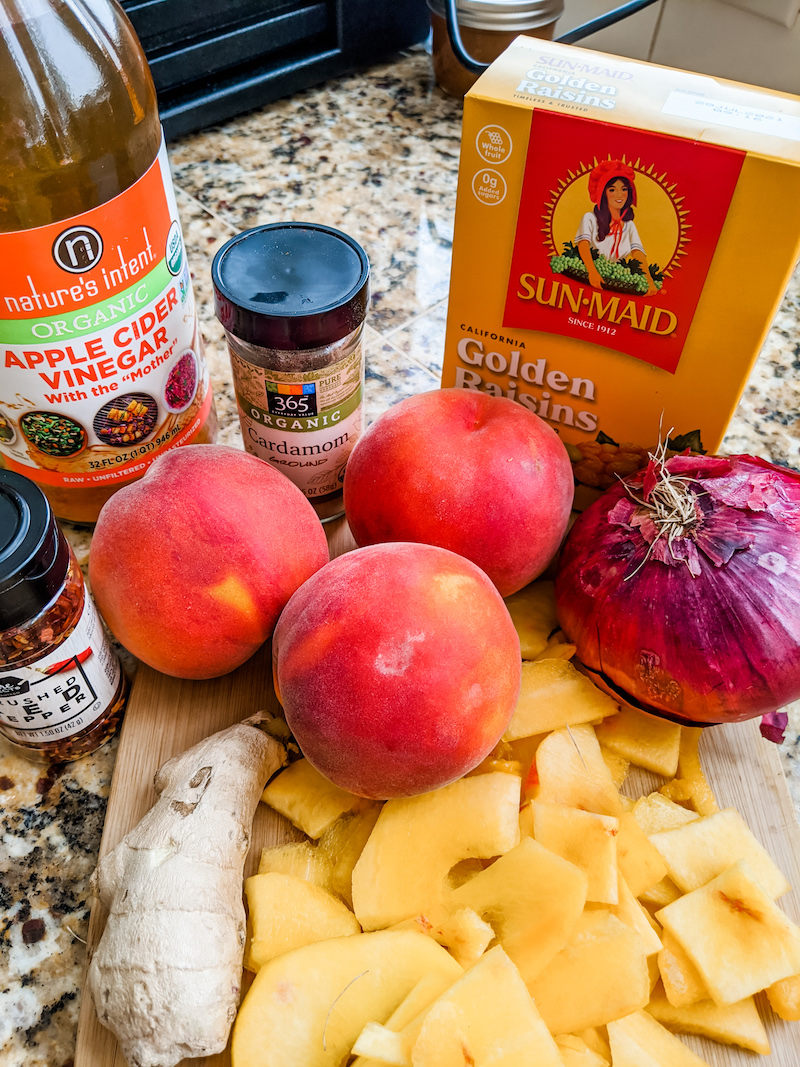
column 102, row 361
column 62, row 689
column 486, row 29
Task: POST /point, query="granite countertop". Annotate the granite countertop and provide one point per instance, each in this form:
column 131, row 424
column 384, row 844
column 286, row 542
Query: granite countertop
column 375, row 154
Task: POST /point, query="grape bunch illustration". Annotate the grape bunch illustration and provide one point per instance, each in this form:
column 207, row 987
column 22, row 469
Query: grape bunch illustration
column 621, row 276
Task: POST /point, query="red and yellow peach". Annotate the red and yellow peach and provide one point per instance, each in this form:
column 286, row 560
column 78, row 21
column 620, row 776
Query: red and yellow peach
column 477, row 474
column 192, row 565
column 398, row 667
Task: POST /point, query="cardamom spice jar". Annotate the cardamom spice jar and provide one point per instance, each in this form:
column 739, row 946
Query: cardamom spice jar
column 62, row 688
column 293, row 298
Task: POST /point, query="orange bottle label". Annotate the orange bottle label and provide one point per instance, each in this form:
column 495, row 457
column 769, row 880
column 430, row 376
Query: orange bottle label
column 102, row 364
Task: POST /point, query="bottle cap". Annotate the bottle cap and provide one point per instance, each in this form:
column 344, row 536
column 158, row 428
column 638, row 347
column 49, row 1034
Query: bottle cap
column 291, row 285
column 506, row 16
column 34, row 554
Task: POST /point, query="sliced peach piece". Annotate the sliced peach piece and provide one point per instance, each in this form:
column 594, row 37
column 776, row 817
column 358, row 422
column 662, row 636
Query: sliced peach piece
column 656, row 812
column 466, row 935
column 313, row 1002
column 342, row 844
column 380, row 1044
column 702, row 849
column 576, row 1053
column 554, row 694
column 569, row 769
column 645, row 740
column 639, row 860
column 532, row 898
column 286, row 912
column 683, row 985
column 533, row 612
column 618, row 765
column 690, row 773
column 585, row 839
column 308, row 800
column 596, row 1038
column 557, row 647
column 639, row 1041
column 486, row 1016
column 301, row 859
column 784, row 998
column 407, row 1017
column 601, row 974
column 733, row 1024
column 661, row 894
column 736, row 937
column 403, row 868
column 629, row 911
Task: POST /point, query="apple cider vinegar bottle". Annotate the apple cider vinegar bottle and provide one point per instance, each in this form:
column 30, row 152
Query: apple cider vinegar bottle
column 102, row 365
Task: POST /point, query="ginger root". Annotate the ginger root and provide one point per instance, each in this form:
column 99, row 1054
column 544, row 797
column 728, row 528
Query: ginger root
column 166, row 975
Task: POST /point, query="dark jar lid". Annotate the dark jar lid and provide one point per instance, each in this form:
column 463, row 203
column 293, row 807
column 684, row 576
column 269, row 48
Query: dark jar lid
column 291, row 285
column 34, row 554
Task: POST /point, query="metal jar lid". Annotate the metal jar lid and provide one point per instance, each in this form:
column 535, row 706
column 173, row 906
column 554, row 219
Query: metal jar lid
column 291, row 285
column 506, row 16
column 34, row 554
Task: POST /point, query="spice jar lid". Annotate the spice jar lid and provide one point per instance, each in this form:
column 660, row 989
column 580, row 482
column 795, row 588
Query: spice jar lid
column 34, row 554
column 291, row 285
column 506, row 16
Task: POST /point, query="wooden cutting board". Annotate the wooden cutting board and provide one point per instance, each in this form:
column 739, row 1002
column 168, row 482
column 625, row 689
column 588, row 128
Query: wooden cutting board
column 165, row 716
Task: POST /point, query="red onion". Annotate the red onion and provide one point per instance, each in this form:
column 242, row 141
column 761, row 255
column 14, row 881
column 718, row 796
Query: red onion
column 681, row 589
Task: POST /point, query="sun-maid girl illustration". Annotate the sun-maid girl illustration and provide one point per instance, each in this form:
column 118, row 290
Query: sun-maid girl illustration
column 609, row 227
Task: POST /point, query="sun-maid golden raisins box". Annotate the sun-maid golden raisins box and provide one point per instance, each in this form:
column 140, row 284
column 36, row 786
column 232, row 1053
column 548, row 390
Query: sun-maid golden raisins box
column 624, row 234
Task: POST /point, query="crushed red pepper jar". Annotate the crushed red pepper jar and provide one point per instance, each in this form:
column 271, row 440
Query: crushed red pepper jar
column 62, row 688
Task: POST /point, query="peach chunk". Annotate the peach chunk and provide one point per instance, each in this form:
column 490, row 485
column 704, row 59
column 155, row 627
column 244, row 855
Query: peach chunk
column 192, row 565
column 398, row 667
column 477, row 474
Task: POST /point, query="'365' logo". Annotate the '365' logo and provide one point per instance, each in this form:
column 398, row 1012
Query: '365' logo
column 78, row 249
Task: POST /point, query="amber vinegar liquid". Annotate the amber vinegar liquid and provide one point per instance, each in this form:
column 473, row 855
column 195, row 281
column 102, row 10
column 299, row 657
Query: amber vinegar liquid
column 79, row 125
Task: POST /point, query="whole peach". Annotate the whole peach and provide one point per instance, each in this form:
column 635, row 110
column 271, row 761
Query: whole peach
column 398, row 667
column 477, row 474
column 192, row 565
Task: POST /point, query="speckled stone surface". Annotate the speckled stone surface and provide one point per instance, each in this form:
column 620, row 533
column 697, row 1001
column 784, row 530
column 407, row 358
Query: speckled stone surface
column 52, row 818
column 375, row 154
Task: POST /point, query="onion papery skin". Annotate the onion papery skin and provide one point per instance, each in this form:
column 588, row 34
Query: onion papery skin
column 719, row 645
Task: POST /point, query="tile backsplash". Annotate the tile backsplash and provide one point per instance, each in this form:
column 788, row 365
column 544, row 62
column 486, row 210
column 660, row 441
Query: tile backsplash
column 754, row 41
